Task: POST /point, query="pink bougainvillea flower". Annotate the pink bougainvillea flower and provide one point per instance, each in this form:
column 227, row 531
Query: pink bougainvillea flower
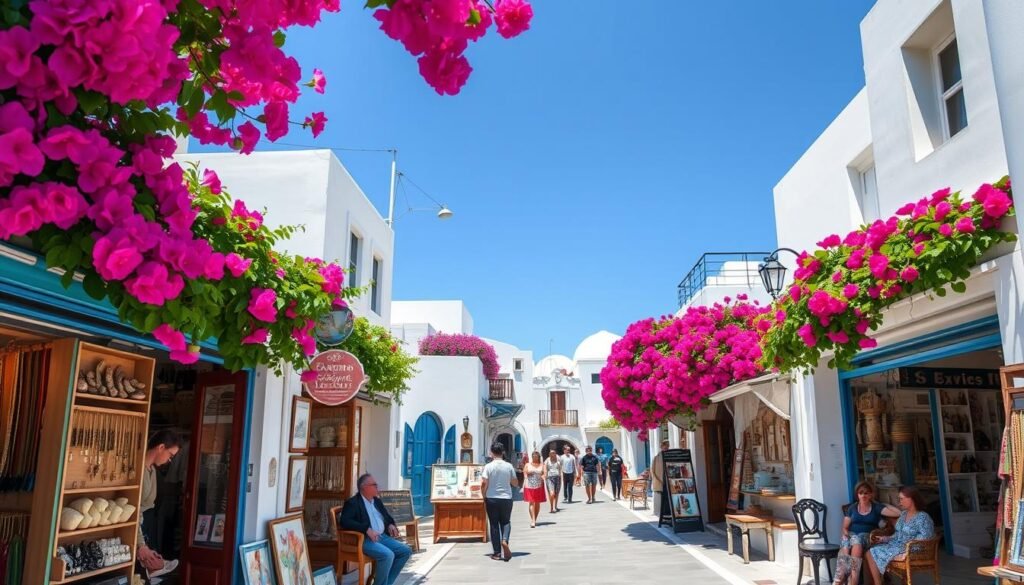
column 965, row 225
column 906, row 209
column 867, row 343
column 153, row 284
column 309, row 376
column 115, row 256
column 862, row 326
column 879, row 264
column 236, row 265
column 185, row 356
column 248, row 137
column 211, row 180
column 289, row 311
column 909, row 274
column 919, row 248
column 940, row 195
column 319, row 82
column 806, row 332
column 171, row 337
column 334, row 277
column 946, row 230
column 830, row 242
column 445, row 68
column 263, row 304
column 942, row 209
column 276, row 115
column 316, row 123
column 856, row 259
column 19, row 153
column 838, row 337
column 851, row 291
column 306, row 341
column 257, row 336
column 997, row 203
column 513, row 17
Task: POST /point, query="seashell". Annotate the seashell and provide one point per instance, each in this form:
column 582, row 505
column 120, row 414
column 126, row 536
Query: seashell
column 83, row 505
column 70, row 519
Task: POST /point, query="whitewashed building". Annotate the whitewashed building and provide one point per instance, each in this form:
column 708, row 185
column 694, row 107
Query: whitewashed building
column 943, row 106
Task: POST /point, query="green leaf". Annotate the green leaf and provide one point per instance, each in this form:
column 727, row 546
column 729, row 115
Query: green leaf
column 94, row 286
column 377, row 3
column 91, row 102
column 959, row 287
column 67, row 278
column 152, row 321
column 940, row 291
column 279, row 38
column 474, row 17
column 53, row 256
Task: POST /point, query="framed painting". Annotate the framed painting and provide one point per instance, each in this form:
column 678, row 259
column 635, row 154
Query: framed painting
column 296, row 494
column 299, row 435
column 291, row 553
column 257, row 563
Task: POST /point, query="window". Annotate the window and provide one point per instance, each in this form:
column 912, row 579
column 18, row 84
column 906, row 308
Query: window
column 375, row 286
column 595, row 378
column 517, row 364
column 867, row 194
column 353, row 259
column 951, row 89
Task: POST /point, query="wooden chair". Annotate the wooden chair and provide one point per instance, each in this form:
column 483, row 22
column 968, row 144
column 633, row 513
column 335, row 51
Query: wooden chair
column 811, row 516
column 350, row 549
column 919, row 555
column 637, row 491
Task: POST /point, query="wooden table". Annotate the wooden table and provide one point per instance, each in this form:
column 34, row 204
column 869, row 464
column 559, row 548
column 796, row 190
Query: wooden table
column 745, row 523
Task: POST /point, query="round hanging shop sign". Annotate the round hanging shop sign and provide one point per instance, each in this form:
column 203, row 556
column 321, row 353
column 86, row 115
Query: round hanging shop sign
column 339, row 377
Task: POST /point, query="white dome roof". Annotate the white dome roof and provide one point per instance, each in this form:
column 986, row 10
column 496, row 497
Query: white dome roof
column 551, row 363
column 596, row 347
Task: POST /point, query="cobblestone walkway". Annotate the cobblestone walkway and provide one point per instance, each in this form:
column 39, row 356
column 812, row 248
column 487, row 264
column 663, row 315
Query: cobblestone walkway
column 596, row 544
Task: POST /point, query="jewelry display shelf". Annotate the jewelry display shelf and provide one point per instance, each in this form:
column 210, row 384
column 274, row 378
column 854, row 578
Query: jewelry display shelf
column 97, row 444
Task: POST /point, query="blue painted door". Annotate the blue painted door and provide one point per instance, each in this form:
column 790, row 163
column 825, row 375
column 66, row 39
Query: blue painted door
column 426, row 450
column 605, row 444
column 449, row 445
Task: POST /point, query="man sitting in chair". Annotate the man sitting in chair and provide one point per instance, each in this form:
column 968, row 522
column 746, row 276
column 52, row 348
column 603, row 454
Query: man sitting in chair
column 365, row 513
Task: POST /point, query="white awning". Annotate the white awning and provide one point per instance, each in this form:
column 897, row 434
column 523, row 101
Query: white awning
column 745, row 397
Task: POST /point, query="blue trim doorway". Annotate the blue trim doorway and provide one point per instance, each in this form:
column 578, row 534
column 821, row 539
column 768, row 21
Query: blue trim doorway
column 426, row 450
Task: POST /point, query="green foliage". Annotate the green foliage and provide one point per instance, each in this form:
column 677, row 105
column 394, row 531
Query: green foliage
column 388, row 366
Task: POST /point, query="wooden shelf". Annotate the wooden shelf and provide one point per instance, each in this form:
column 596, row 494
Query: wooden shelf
column 102, row 398
column 92, row 490
column 112, row 410
column 783, row 497
column 94, row 529
column 96, row 573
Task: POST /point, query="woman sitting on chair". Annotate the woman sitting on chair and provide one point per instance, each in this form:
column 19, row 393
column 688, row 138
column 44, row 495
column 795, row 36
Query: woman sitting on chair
column 862, row 517
column 914, row 524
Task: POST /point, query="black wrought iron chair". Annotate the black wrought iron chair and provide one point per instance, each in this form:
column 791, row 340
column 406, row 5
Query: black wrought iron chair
column 812, row 537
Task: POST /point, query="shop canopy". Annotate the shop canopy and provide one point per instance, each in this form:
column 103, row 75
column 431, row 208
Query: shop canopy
column 744, row 398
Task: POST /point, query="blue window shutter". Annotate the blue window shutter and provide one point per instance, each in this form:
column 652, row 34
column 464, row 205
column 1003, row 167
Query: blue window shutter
column 407, row 452
column 449, row 445
column 518, row 444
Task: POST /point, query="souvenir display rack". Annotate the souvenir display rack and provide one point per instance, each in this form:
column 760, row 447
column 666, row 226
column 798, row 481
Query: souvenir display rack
column 332, row 470
column 455, row 492
column 1009, row 566
column 95, row 433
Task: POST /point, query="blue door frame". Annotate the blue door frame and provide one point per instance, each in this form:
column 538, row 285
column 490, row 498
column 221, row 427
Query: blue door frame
column 29, row 282
column 932, row 346
column 426, row 450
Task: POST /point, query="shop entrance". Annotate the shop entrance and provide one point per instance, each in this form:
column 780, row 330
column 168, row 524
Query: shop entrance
column 936, row 425
column 719, row 443
column 557, row 444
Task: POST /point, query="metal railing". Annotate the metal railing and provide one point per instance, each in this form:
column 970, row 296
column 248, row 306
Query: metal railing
column 501, row 389
column 559, row 418
column 721, row 269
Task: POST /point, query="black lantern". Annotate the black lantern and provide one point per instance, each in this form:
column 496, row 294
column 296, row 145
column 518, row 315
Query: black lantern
column 773, row 272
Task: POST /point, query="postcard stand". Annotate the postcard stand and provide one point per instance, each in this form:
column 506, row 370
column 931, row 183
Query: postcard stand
column 680, row 507
column 458, row 501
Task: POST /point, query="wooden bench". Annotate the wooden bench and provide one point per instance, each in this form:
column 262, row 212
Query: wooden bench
column 746, row 523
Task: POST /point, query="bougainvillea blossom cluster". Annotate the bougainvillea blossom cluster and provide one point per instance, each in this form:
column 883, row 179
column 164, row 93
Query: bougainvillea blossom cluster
column 669, row 366
column 439, row 32
column 839, row 291
column 458, row 344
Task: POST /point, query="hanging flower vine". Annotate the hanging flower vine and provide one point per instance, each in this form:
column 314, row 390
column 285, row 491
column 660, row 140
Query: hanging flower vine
column 458, row 344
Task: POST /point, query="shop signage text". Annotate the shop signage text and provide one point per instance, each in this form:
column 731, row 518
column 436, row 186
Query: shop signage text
column 339, row 377
column 958, row 378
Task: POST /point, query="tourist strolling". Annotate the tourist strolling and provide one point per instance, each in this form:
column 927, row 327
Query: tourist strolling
column 603, row 458
column 569, row 471
column 553, row 478
column 591, row 467
column 498, row 479
column 365, row 513
column 615, row 468
column 533, row 489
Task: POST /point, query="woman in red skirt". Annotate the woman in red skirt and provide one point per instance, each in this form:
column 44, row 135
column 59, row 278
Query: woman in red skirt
column 533, row 488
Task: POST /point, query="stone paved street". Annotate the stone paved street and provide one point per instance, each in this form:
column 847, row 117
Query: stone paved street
column 595, row 544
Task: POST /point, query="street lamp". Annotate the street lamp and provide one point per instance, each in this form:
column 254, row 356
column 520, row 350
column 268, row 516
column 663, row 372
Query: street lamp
column 442, row 210
column 773, row 272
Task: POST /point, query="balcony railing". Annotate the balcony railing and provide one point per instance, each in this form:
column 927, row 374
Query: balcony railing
column 501, row 389
column 559, row 418
column 721, row 269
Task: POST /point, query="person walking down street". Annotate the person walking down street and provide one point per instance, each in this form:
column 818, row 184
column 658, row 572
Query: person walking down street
column 568, row 473
column 553, row 478
column 592, row 469
column 365, row 513
column 615, row 468
column 603, row 458
column 657, row 482
column 533, row 488
column 499, row 477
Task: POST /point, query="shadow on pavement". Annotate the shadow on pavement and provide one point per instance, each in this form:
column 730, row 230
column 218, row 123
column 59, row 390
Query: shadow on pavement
column 644, row 532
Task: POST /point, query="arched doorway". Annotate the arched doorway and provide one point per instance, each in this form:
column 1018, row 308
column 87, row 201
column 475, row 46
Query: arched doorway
column 557, row 445
column 426, row 450
column 605, row 444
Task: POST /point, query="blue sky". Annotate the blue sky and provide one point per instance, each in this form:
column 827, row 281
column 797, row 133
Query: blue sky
column 591, row 160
